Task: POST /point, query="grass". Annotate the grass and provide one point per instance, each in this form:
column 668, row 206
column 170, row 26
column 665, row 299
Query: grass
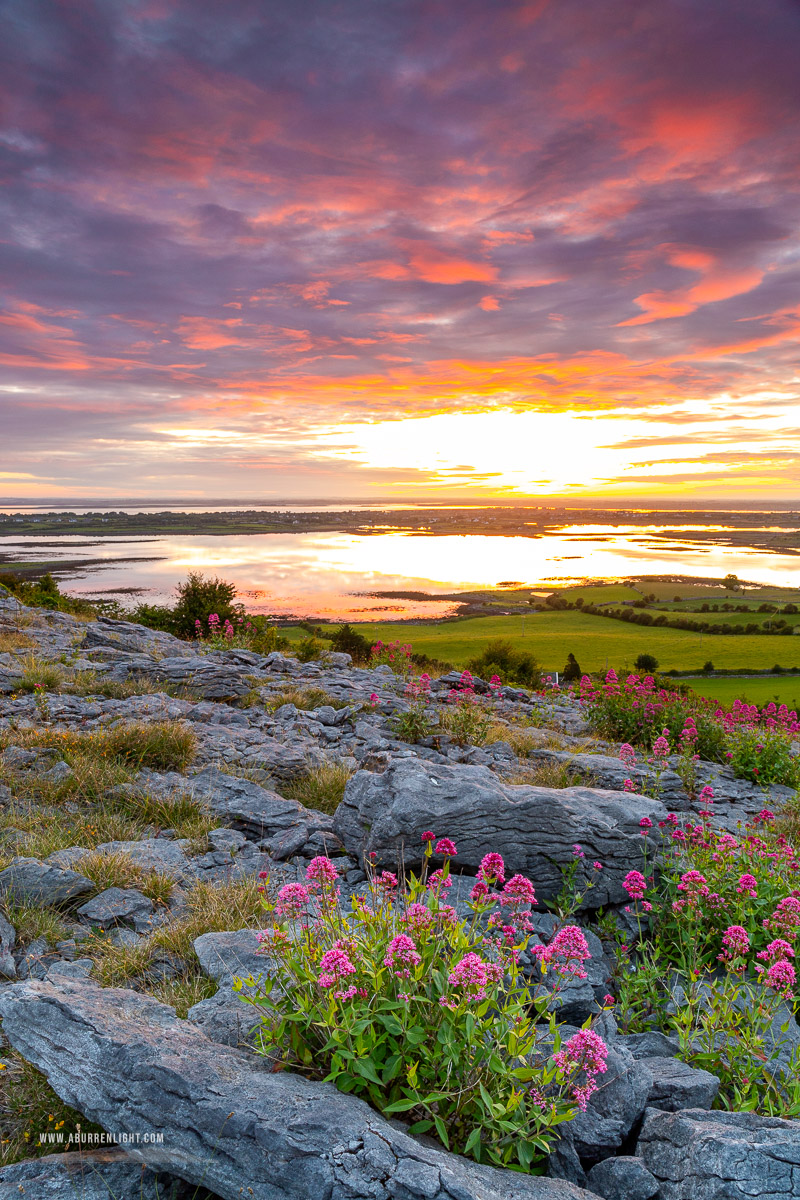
column 32, row 922
column 188, row 817
column 159, row 745
column 39, row 673
column 783, row 689
column 304, row 698
column 596, row 642
column 321, row 788
column 30, row 1108
column 11, row 641
column 550, row 775
column 119, row 870
column 233, row 905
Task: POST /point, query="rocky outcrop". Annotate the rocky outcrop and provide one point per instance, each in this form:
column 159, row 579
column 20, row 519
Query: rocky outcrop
column 699, row 1155
column 127, row 1062
column 29, row 881
column 87, row 1175
column 535, row 829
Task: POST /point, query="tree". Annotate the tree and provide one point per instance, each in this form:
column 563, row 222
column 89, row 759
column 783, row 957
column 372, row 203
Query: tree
column 731, row 583
column 572, row 670
column 646, row 662
column 501, row 657
column 708, row 667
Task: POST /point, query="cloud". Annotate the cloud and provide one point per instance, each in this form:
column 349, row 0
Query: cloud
column 365, row 212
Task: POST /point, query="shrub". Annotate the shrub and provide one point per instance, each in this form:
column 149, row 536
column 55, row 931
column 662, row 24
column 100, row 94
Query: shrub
column 310, row 648
column 415, row 723
column 427, row 1015
column 512, row 665
column 572, row 670
column 396, row 655
column 467, row 718
column 719, row 921
column 347, row 640
column 198, row 599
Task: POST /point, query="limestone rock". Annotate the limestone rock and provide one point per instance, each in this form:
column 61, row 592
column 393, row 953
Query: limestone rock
column 126, row 1061
column 29, row 881
column 677, row 1085
column 697, row 1155
column 533, row 828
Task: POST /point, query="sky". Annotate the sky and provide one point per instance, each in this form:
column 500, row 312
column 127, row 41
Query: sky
column 400, row 248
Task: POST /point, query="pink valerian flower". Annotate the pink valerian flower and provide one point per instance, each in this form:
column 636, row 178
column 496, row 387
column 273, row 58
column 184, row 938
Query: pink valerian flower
column 587, row 1052
column 321, row 870
column 374, row 698
column 635, row 884
column 492, row 868
column 765, row 816
column 439, row 880
column 627, row 755
column 694, row 884
column 567, row 952
column 598, row 866
column 735, row 944
column 645, row 825
column 775, row 951
column 747, row 885
column 780, row 977
column 628, row 786
column 608, row 1000
column 403, row 951
column 518, row 890
column 472, row 975
column 706, row 795
column 480, row 893
column 445, row 848
column 334, row 966
column 418, row 917
column 786, row 918
column 661, row 747
column 428, row 836
column 293, row 898
column 578, row 851
column 387, row 881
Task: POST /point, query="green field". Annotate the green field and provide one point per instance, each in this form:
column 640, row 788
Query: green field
column 783, row 689
column 596, row 642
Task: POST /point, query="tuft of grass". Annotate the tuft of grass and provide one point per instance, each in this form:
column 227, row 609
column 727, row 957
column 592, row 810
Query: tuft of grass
column 39, row 673
column 95, row 683
column 233, row 905
column 305, row 698
column 29, row 1109
column 11, row 641
column 521, row 740
column 184, row 990
column 187, row 816
column 160, row 745
column 550, row 775
column 32, row 922
column 119, row 870
column 321, row 788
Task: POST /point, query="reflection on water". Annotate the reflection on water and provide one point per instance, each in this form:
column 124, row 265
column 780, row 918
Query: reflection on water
column 328, row 574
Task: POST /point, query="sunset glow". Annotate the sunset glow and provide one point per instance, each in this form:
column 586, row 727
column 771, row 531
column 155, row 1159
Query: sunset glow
column 485, row 250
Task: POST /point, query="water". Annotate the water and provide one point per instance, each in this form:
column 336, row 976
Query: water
column 329, row 575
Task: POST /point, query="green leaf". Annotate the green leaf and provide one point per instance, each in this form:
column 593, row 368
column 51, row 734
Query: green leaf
column 442, row 1132
column 402, row 1105
column 419, row 1127
column 366, row 1070
column 473, row 1140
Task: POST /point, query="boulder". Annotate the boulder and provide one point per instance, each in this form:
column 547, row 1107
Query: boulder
column 88, row 1174
column 225, row 956
column 127, row 1062
column 533, row 828
column 29, row 881
column 676, row 1085
column 622, row 1178
column 615, row 1107
column 119, row 906
column 260, row 813
column 697, row 1155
